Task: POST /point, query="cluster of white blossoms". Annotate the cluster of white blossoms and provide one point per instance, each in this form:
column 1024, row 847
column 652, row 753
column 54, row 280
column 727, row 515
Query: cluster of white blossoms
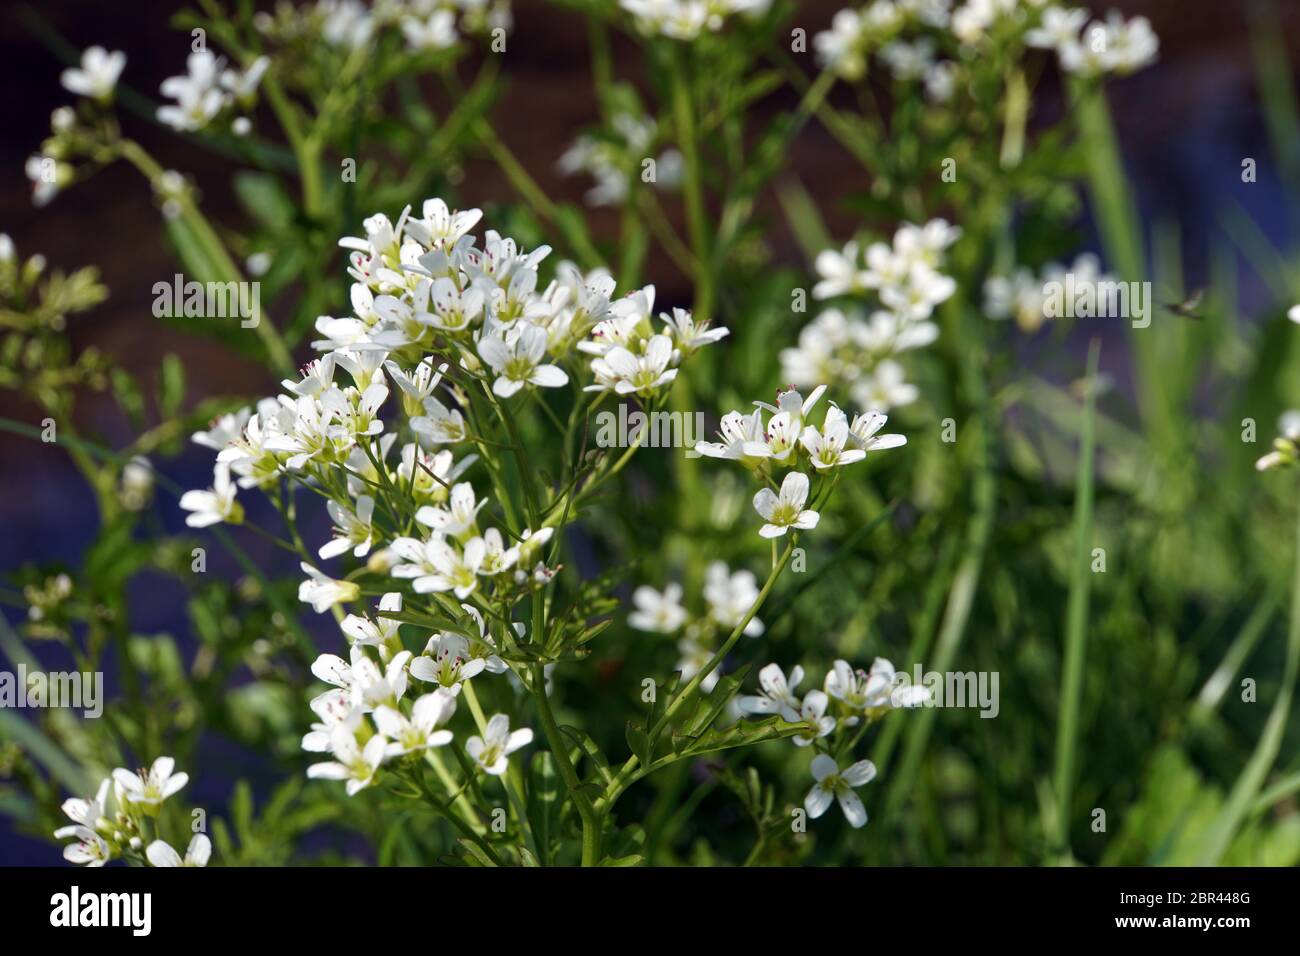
column 350, row 24
column 617, row 161
column 1024, row 296
column 94, row 78
column 861, row 351
column 728, row 596
column 373, row 684
column 425, row 295
column 848, row 699
column 209, row 89
column 789, row 441
column 687, row 19
column 100, row 835
column 1110, row 46
column 1114, row 45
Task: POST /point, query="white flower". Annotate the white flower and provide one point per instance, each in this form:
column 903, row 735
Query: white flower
column 908, row 61
column 515, row 358
column 353, row 763
column 744, row 440
column 786, row 510
column 841, row 273
column 795, row 407
column 813, row 713
column 1060, row 27
column 242, row 84
column 863, row 429
column 460, row 518
column 198, row 95
column 777, row 695
column 364, row 684
column 497, row 558
column 420, row 731
column 447, row 661
column 440, row 227
column 686, row 334
column 84, row 813
column 215, row 505
column 627, row 373
column 160, row 853
column 661, row 613
column 497, row 743
column 441, row 425
column 885, row 388
column 730, row 596
column 351, row 530
column 382, row 632
column 826, row 447
column 437, row 566
column 833, row 783
column 89, row 849
column 840, row 47
column 97, row 75
column 47, row 177
column 322, row 592
column 438, row 32
column 334, row 708
column 149, row 787
column 1293, row 314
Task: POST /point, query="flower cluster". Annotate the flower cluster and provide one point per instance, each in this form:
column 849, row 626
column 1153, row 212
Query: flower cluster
column 728, row 597
column 209, row 89
column 351, row 24
column 100, row 835
column 687, row 19
column 615, row 161
column 849, row 701
column 861, row 352
column 1023, row 295
column 1110, row 46
column 424, row 290
column 374, row 683
column 789, row 441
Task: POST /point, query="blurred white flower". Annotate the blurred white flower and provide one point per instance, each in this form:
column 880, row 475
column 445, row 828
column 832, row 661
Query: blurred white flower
column 97, row 75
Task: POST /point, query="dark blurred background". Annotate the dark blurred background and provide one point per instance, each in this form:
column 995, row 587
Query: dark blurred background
column 1185, row 126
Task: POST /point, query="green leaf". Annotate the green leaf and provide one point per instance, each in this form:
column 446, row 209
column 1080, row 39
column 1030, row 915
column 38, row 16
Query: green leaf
column 475, row 852
column 639, row 742
column 593, row 752
column 545, row 802
column 171, row 391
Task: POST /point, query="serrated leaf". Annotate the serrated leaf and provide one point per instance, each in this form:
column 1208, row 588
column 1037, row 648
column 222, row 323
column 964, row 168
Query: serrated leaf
column 743, row 734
